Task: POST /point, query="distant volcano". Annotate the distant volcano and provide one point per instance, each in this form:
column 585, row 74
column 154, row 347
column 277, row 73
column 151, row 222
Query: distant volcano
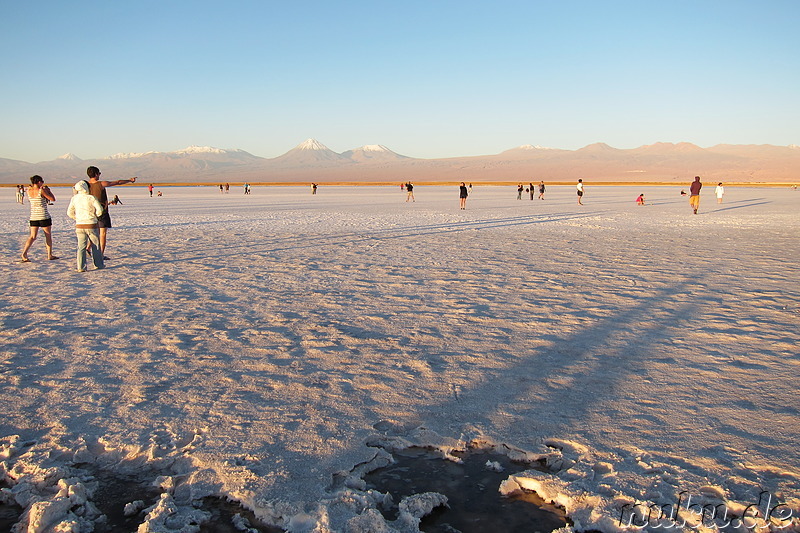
column 310, row 152
column 373, row 153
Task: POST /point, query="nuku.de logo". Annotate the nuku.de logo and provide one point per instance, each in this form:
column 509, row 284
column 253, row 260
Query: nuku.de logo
column 684, row 513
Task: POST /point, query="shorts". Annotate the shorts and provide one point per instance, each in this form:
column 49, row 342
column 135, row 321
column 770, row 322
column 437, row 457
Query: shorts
column 580, row 193
column 46, row 223
column 104, row 220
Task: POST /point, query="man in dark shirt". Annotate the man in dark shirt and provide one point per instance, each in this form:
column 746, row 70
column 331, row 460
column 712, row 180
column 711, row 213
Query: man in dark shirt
column 694, row 193
column 97, row 189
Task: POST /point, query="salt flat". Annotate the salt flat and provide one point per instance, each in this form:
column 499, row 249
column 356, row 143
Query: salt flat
column 271, row 347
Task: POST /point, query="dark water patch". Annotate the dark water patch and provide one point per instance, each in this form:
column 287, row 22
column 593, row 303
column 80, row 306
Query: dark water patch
column 230, row 517
column 10, row 514
column 475, row 504
column 113, row 493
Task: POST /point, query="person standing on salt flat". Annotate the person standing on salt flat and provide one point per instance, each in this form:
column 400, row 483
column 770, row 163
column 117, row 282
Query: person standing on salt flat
column 719, row 191
column 541, row 190
column 85, row 210
column 462, row 194
column 580, row 191
column 97, row 189
column 694, row 194
column 39, row 195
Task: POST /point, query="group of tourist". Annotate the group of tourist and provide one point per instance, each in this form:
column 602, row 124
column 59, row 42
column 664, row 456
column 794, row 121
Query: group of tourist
column 88, row 207
column 531, row 189
column 694, row 193
column 20, row 194
column 694, row 190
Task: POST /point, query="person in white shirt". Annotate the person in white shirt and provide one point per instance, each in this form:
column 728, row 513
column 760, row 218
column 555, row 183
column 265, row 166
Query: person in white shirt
column 85, row 209
column 719, row 191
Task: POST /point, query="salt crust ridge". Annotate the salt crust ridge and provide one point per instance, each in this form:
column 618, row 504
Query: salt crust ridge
column 54, row 485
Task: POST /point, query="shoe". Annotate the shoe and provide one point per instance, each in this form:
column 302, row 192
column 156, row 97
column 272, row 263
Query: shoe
column 24, row 260
column 84, row 270
column 106, row 258
column 53, row 258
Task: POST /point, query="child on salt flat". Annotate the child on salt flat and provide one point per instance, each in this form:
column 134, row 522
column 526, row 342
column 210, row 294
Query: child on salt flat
column 640, row 199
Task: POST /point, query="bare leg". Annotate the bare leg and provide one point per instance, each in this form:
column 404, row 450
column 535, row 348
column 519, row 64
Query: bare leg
column 48, row 241
column 29, row 242
column 103, row 240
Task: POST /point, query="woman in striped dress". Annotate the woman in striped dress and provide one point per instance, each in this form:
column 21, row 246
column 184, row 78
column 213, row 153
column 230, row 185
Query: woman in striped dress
column 39, row 195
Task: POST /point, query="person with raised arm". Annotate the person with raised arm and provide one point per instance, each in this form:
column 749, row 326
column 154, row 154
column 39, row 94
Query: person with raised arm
column 97, row 188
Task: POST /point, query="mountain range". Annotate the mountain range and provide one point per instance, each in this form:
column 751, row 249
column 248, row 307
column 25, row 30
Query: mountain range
column 313, row 161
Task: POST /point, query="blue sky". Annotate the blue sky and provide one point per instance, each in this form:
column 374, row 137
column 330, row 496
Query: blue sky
column 425, row 78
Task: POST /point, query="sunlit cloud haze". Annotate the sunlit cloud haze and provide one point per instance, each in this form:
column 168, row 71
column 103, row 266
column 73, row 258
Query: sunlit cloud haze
column 426, row 79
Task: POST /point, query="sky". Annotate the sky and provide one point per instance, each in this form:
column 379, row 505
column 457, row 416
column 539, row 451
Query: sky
column 427, row 79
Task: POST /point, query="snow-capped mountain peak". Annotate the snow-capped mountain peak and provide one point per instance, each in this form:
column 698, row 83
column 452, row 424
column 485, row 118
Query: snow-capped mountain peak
column 191, row 150
column 130, row 155
column 69, row 157
column 311, row 144
column 310, row 151
column 372, row 153
column 532, row 147
column 201, row 150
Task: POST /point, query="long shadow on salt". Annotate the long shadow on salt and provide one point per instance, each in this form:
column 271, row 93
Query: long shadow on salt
column 474, row 503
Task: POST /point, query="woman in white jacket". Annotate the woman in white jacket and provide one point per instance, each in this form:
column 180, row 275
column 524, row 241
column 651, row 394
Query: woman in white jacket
column 85, row 209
